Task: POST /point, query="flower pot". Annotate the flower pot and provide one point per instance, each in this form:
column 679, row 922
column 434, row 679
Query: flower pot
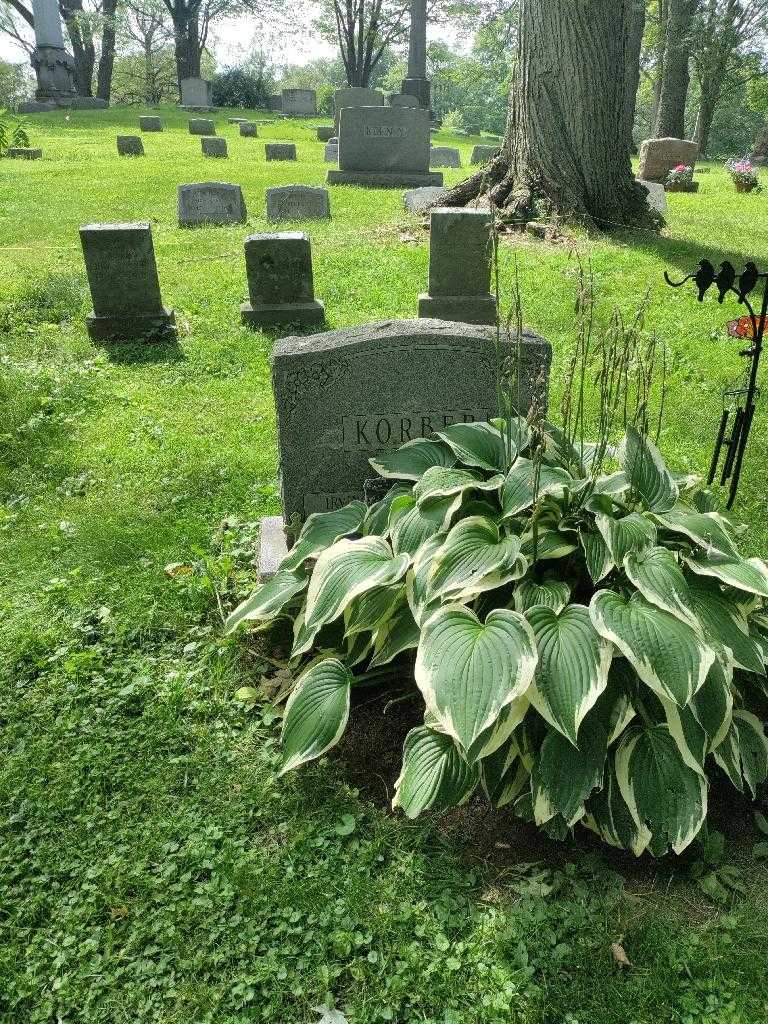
column 744, row 186
column 682, row 186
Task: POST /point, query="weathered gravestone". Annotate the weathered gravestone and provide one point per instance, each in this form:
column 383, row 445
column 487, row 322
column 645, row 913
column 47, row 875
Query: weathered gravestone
column 657, row 196
column 125, row 291
column 23, row 153
column 459, row 267
column 659, row 156
column 325, row 132
column 130, row 145
column 151, row 124
column 331, row 151
column 400, row 99
column 201, row 126
column 280, row 150
column 444, row 156
column 211, row 202
column 249, row 130
column 344, row 396
column 236, row 120
column 354, row 97
column 418, row 200
column 299, row 102
column 213, row 146
column 482, row 154
column 297, row 202
column 384, row 146
column 196, row 92
column 280, row 284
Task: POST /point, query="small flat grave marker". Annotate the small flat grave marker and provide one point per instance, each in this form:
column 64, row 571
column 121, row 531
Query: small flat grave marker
column 280, row 284
column 483, row 154
column 23, row 153
column 249, row 130
column 280, row 150
column 211, row 202
column 297, row 202
column 130, row 145
column 201, row 126
column 325, row 132
column 213, row 146
column 151, row 124
column 444, row 156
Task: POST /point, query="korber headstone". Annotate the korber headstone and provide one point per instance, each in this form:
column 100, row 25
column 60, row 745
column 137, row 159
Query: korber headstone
column 384, row 146
column 211, row 202
column 280, row 283
column 125, row 290
column 129, row 145
column 459, row 267
column 297, row 202
column 659, row 156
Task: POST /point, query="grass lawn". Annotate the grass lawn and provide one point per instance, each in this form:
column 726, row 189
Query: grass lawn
column 151, row 867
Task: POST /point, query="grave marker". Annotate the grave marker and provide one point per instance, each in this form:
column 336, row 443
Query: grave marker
column 201, row 126
column 151, row 124
column 129, row 145
column 419, row 200
column 325, row 132
column 444, row 156
column 299, row 102
column 213, row 146
column 23, row 153
column 354, row 97
column 385, row 146
column 659, row 156
column 211, row 202
column 400, row 99
column 297, row 202
column 125, row 290
column 483, row 154
column 331, row 152
column 280, row 284
column 195, row 92
column 249, row 130
column 280, row 150
column 459, row 267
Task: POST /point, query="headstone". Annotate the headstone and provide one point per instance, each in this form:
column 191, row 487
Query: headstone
column 483, row 154
column 23, row 153
column 354, row 97
column 418, row 200
column 236, row 120
column 444, row 156
column 344, row 396
column 459, row 267
column 331, row 152
column 400, row 99
column 659, row 156
column 657, row 196
column 249, row 130
column 280, row 284
column 280, row 150
column 195, row 92
column 125, row 291
column 213, row 146
column 298, row 202
column 130, row 145
column 151, row 124
column 201, row 126
column 325, row 132
column 211, row 202
column 385, row 146
column 299, row 103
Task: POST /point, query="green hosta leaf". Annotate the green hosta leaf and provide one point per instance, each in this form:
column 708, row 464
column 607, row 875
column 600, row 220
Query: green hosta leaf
column 662, row 793
column 411, row 524
column 322, row 529
column 614, row 707
column 268, row 601
column 501, row 730
column 440, row 482
column 665, row 652
column 689, row 736
column 316, row 713
column 707, row 529
column 646, row 471
column 371, row 610
column 477, row 444
column 434, row 776
column 753, row 748
column 563, row 776
column 609, row 816
column 573, row 666
column 377, row 518
column 503, row 775
column 399, row 633
column 473, row 551
column 547, row 545
column 469, row 671
column 522, row 488
column 551, row 593
column 559, row 448
column 344, row 571
column 657, row 575
column 613, row 483
column 723, row 621
column 596, row 554
column 417, row 584
column 412, row 459
column 712, row 704
column 623, row 536
column 746, row 574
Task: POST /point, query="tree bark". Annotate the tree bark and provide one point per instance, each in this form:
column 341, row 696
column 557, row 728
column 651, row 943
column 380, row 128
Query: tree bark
column 675, row 74
column 107, row 57
column 760, row 154
column 83, row 49
column 186, row 38
column 632, row 67
column 566, row 149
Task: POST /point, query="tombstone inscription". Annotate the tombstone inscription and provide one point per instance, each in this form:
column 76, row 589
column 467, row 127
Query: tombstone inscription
column 125, row 290
column 211, row 202
column 459, row 267
column 280, row 283
column 297, row 202
column 384, row 146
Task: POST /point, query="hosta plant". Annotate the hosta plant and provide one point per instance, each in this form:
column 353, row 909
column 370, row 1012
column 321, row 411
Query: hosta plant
column 586, row 638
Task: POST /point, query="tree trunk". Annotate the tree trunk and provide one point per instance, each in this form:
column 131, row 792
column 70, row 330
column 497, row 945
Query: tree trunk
column 675, row 75
column 660, row 45
column 186, row 40
column 107, row 58
column 760, row 155
column 632, row 67
column 83, row 50
column 566, row 149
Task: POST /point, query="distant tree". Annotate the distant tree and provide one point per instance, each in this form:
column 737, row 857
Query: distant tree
column 145, row 71
column 16, row 85
column 247, row 86
column 364, row 31
column 676, row 32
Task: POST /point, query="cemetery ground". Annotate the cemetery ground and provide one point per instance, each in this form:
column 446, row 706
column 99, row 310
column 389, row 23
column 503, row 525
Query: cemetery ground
column 152, row 868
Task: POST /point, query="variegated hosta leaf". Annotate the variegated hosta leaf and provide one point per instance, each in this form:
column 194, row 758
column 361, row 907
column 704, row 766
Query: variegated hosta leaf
column 477, row 444
column 559, row 448
column 749, row 575
column 434, row 775
column 707, row 529
column 469, row 671
column 399, row 633
column 322, row 529
column 662, row 793
column 412, row 459
column 377, row 518
column 316, row 713
column 613, row 483
column 689, row 736
column 656, row 574
column 712, row 704
column 473, row 551
column 573, row 666
column 664, row 651
column 503, row 774
column 343, row 571
column 523, row 486
column 547, row 545
column 268, row 600
column 646, row 471
column 722, row 620
column 411, row 524
column 563, row 776
column 372, row 609
column 417, row 583
column 630, row 533
column 596, row 554
column 615, row 706
column 552, row 593
column 609, row 816
column 441, row 482
column 744, row 751
column 501, row 730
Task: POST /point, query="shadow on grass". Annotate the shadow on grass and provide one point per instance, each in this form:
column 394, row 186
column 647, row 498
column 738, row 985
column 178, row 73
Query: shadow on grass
column 682, row 253
column 129, row 353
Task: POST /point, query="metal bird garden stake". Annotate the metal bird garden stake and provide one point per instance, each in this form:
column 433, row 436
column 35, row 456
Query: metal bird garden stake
column 745, row 392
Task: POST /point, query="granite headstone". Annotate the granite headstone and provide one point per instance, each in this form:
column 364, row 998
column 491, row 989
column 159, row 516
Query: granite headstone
column 211, row 202
column 297, row 202
column 444, row 156
column 299, row 102
column 384, row 146
column 280, row 284
column 354, row 97
column 280, row 150
column 151, row 124
column 659, row 156
column 459, row 267
column 211, row 145
column 129, row 145
column 325, row 132
column 249, row 130
column 483, row 154
column 195, row 92
column 331, row 151
column 23, row 153
column 419, row 200
column 201, row 126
